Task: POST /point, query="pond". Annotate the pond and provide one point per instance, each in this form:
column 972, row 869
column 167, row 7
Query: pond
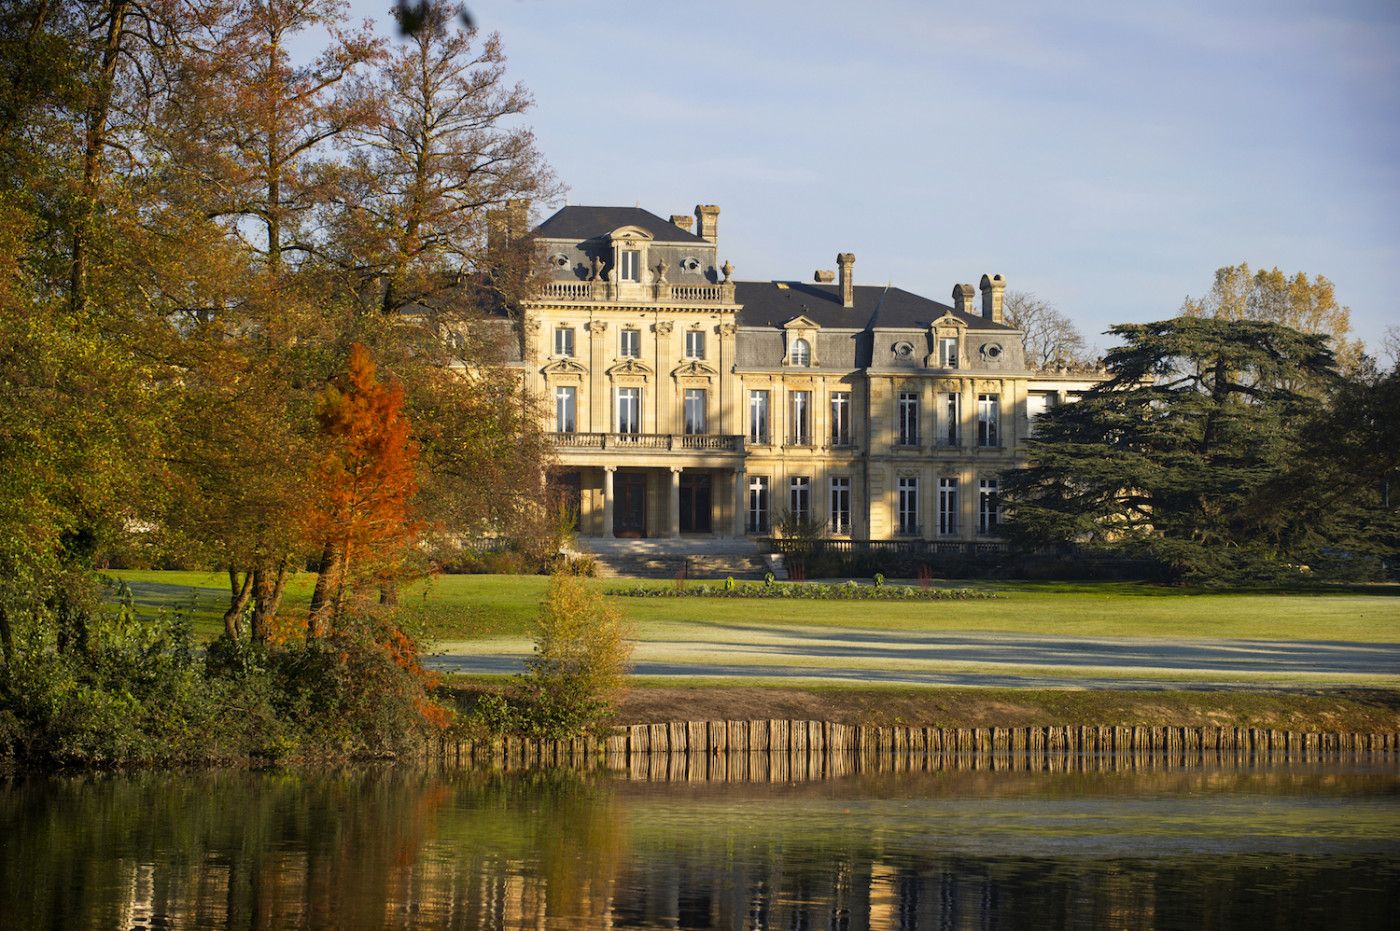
column 1308, row 845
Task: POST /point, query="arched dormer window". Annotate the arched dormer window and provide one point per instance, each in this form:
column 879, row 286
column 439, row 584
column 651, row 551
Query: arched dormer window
column 801, row 354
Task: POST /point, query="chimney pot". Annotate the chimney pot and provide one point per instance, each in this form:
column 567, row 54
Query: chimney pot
column 517, row 218
column 682, row 220
column 707, row 216
column 962, row 298
column 846, row 262
column 824, row 276
column 993, row 294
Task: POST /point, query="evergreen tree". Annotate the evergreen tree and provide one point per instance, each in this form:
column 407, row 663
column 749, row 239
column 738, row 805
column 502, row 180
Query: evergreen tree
column 1176, row 454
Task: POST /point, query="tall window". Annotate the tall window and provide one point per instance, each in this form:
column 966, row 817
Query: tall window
column 988, row 419
column 908, row 418
column 1037, row 403
column 840, row 418
column 840, row 504
column 909, row 505
column 801, row 353
column 988, row 506
column 947, row 507
column 629, row 343
column 800, row 419
column 695, row 344
column 948, row 352
column 758, row 417
column 629, row 265
column 952, row 407
column 758, row 504
column 629, row 410
column 564, row 341
column 565, row 409
column 800, row 497
column 694, row 411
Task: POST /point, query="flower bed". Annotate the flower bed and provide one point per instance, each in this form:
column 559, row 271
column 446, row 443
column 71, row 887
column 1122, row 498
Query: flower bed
column 815, row 591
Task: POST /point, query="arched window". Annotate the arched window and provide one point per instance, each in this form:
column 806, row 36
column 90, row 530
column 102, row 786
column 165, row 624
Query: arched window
column 801, row 353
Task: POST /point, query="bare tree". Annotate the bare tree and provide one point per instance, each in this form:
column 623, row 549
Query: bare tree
column 1051, row 338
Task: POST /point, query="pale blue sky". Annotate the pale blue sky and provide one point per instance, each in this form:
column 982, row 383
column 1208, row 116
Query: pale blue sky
column 1106, row 156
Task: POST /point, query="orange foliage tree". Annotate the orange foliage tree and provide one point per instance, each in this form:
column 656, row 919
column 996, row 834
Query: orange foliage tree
column 360, row 507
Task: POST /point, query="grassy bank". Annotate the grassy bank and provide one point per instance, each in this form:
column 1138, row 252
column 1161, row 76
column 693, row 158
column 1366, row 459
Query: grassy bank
column 661, row 700
column 466, row 607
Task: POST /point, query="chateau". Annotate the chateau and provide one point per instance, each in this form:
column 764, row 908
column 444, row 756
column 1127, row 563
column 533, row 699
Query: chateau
column 686, row 402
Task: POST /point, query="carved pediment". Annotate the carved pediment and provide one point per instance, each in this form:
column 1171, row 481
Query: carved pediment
column 694, row 368
column 801, row 322
column 629, row 232
column 631, row 367
column 564, row 367
column 948, row 320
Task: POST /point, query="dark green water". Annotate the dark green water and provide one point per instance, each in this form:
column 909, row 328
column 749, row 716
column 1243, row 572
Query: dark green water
column 1307, row 846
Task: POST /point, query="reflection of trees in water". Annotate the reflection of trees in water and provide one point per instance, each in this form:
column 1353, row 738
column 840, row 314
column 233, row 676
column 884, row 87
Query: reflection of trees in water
column 405, row 848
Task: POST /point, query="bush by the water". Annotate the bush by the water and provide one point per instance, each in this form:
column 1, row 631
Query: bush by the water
column 815, row 591
column 572, row 683
column 139, row 691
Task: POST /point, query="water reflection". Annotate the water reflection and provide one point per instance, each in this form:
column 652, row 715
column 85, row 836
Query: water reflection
column 1296, row 846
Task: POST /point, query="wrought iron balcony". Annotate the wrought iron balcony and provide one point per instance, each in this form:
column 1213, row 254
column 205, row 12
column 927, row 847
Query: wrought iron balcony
column 677, row 442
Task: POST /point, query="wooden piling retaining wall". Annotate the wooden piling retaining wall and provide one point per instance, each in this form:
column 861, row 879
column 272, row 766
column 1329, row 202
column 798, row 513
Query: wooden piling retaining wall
column 812, row 749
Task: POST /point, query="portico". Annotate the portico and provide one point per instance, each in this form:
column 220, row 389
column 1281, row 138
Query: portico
column 628, row 501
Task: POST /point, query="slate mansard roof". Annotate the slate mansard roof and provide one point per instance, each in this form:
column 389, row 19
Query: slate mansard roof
column 773, row 303
column 583, row 223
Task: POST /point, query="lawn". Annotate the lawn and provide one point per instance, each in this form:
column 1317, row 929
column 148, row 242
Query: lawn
column 473, row 607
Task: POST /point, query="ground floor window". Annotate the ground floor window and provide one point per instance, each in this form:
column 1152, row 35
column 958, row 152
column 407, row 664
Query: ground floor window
column 947, row 507
column 909, row 505
column 800, row 497
column 840, row 504
column 758, row 504
column 988, row 506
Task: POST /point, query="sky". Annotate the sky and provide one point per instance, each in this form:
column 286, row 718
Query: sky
column 1106, row 156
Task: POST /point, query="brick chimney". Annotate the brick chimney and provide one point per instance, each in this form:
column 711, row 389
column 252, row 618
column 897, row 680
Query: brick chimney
column 993, row 290
column 707, row 216
column 682, row 220
column 962, row 298
column 846, row 261
column 517, row 217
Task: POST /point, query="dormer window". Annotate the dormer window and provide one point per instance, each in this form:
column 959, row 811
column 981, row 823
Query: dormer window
column 629, row 265
column 801, row 354
column 948, row 352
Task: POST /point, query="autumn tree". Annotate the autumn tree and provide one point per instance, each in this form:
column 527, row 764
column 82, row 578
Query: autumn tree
column 443, row 148
column 1051, row 339
column 1308, row 305
column 359, row 508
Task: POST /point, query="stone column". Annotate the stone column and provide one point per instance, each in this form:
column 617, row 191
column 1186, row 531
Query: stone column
column 740, row 504
column 673, row 528
column 608, row 501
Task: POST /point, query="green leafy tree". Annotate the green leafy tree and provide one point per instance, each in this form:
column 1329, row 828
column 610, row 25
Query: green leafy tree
column 1174, row 455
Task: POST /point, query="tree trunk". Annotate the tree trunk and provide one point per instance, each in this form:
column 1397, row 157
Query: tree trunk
column 389, row 594
column 238, row 600
column 95, row 141
column 7, row 638
column 321, row 607
column 268, row 583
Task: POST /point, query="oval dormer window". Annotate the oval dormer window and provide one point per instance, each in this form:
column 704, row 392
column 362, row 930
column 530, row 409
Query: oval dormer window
column 559, row 260
column 690, row 264
column 801, row 352
column 903, row 350
column 991, row 351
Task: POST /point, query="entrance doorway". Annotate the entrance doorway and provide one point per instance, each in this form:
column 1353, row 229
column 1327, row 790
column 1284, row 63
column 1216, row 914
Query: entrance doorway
column 629, row 504
column 695, row 503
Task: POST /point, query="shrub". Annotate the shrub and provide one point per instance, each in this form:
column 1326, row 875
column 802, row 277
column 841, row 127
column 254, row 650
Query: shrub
column 571, row 684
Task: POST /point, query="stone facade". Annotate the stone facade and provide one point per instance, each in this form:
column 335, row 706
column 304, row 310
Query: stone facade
column 683, row 401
